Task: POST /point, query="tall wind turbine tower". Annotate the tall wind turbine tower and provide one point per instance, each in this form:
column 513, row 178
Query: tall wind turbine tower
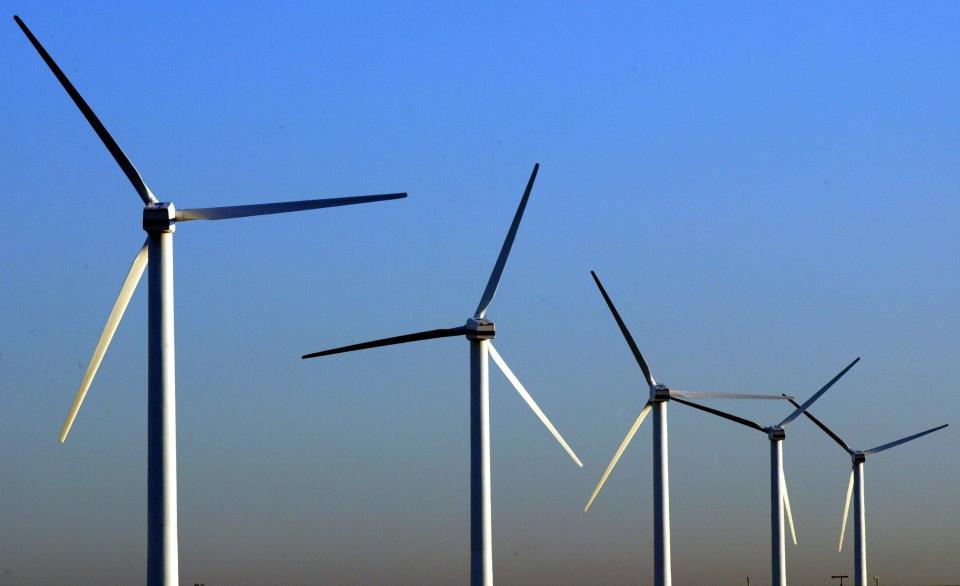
column 159, row 222
column 659, row 396
column 778, row 493
column 479, row 332
column 856, row 488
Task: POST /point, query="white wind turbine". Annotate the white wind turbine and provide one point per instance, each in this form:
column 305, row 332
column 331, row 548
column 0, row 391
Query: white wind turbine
column 660, row 395
column 779, row 499
column 159, row 220
column 855, row 488
column 479, row 331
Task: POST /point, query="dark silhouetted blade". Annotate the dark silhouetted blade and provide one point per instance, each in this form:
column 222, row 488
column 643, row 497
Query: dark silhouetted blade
column 724, row 414
column 817, row 395
column 903, row 441
column 625, row 331
column 824, row 427
column 263, row 209
column 505, row 249
column 428, row 335
column 128, row 169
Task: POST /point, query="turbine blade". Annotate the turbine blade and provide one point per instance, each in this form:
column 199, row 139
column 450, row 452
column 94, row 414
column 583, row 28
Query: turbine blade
column 532, row 404
column 494, row 280
column 816, row 395
column 786, row 506
column 846, row 510
column 725, row 415
column 263, row 209
column 616, row 457
column 128, row 169
column 700, row 395
column 824, row 427
column 879, row 449
column 113, row 320
column 428, row 335
column 626, row 333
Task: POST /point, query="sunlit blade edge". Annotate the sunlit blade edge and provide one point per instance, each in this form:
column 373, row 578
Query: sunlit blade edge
column 711, row 395
column 786, row 506
column 846, row 510
column 616, row 457
column 806, row 404
column 265, row 209
column 531, row 403
column 113, row 320
column 904, row 440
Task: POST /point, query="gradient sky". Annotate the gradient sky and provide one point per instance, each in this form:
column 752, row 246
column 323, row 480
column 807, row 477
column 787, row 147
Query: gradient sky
column 767, row 191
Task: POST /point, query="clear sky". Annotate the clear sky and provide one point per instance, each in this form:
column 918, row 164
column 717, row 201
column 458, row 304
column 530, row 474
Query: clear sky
column 767, row 190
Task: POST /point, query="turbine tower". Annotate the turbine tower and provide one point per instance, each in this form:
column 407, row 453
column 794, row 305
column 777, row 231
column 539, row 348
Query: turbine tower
column 660, row 395
column 159, row 222
column 855, row 488
column 778, row 493
column 479, row 331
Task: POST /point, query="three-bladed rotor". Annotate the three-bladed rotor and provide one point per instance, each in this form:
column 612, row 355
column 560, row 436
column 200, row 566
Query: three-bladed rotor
column 477, row 327
column 777, row 432
column 158, row 216
column 859, row 457
column 657, row 392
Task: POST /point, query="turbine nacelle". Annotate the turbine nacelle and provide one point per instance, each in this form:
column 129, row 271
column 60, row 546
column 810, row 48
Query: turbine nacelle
column 858, row 457
column 478, row 328
column 776, row 433
column 159, row 217
column 659, row 393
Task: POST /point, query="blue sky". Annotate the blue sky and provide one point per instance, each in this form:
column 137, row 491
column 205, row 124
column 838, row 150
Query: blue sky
column 767, row 191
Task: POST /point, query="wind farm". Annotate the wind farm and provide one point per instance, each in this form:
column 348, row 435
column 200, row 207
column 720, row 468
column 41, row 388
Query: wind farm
column 766, row 195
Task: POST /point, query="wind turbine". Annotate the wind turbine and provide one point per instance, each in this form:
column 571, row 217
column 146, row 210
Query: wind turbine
column 660, row 395
column 855, row 487
column 479, row 331
column 778, row 490
column 159, row 219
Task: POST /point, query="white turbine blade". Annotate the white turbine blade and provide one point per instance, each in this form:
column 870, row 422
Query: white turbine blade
column 786, row 506
column 846, row 509
column 709, row 395
column 264, row 209
column 910, row 438
column 806, row 404
column 113, row 320
column 533, row 404
column 616, row 456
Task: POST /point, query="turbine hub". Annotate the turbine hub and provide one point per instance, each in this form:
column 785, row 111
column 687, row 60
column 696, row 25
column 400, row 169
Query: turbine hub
column 159, row 217
column 776, row 434
column 480, row 329
column 659, row 393
column 859, row 457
